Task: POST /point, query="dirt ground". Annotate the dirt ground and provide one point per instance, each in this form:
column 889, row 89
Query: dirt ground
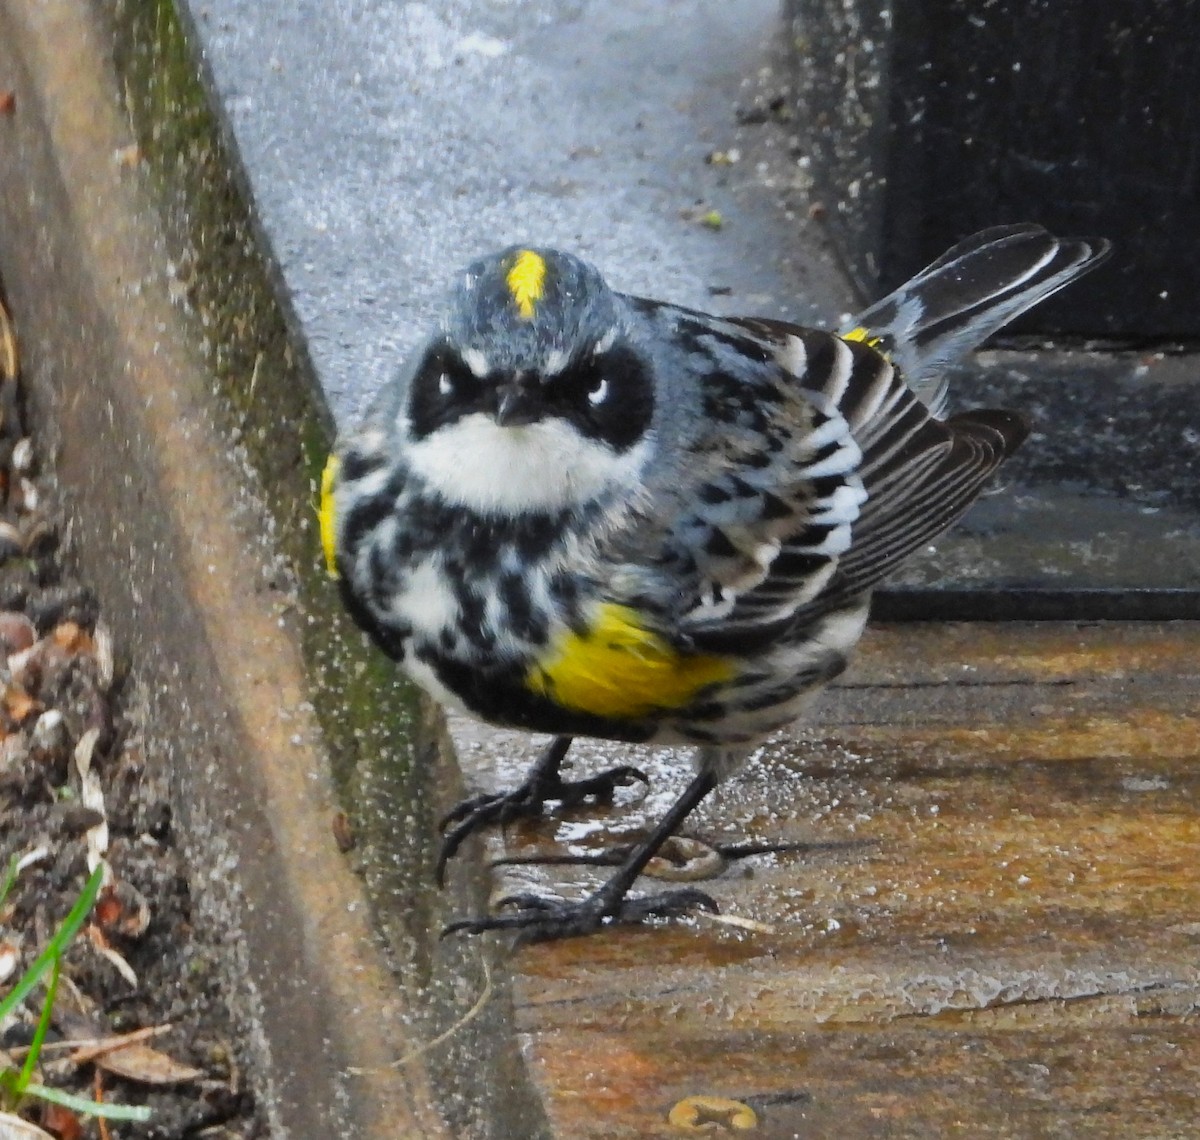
column 74, row 776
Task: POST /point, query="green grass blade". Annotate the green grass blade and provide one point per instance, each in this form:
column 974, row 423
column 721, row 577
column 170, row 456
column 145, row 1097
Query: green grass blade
column 22, row 1083
column 57, row 945
column 82, row 1104
column 39, row 1034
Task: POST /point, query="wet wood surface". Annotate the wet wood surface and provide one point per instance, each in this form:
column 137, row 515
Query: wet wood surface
column 988, row 923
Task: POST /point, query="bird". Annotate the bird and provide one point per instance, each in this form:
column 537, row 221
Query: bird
column 581, row 512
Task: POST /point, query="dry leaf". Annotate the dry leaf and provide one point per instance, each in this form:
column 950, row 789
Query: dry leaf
column 122, row 909
column 17, row 632
column 22, row 456
column 37, row 855
column 9, row 957
column 62, row 1122
column 147, row 1066
column 10, row 359
column 703, row 1113
column 29, row 503
column 685, row 860
column 91, row 795
column 105, row 664
column 88, row 1049
column 19, row 706
column 72, row 637
column 96, row 937
column 740, row 922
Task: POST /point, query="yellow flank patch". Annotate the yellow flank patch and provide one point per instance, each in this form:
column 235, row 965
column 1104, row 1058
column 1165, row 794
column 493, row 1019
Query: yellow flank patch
column 622, row 670
column 865, row 335
column 527, row 282
column 326, row 516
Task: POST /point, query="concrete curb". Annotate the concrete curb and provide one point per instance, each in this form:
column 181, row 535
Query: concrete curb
column 167, row 447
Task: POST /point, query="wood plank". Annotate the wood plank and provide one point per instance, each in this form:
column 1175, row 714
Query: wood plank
column 990, row 924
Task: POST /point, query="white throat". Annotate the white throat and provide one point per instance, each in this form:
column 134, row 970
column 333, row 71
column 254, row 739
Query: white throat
column 544, row 466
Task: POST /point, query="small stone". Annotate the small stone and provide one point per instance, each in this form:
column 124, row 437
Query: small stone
column 17, row 633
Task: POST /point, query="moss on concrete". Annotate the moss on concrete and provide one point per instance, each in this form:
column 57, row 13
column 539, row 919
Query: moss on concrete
column 387, row 745
column 269, row 397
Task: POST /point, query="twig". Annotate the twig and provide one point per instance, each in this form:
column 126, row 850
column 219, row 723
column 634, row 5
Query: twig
column 92, row 1047
column 475, row 1010
column 98, row 1086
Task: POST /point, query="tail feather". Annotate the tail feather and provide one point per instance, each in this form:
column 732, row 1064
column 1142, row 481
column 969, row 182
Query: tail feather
column 966, row 295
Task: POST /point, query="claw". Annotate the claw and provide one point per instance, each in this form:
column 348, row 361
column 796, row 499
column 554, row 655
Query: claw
column 601, row 787
column 541, row 919
column 529, row 799
column 525, row 901
column 464, row 808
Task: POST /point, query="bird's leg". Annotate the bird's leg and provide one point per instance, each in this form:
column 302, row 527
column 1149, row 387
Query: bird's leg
column 538, row 919
column 543, row 783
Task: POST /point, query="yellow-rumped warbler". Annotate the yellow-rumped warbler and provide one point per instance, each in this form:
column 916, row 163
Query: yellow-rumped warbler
column 585, row 513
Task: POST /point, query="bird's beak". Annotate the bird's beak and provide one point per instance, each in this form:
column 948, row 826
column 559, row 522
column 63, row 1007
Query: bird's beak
column 517, row 403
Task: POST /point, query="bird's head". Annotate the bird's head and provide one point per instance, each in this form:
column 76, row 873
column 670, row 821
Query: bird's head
column 532, row 394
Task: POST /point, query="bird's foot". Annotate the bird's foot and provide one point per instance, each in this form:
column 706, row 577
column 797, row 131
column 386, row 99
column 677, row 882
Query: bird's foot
column 681, row 858
column 536, row 918
column 526, row 800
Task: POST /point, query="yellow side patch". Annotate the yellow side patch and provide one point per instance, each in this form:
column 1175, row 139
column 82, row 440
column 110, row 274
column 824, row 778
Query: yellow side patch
column 526, row 282
column 622, row 670
column 865, row 335
column 326, row 516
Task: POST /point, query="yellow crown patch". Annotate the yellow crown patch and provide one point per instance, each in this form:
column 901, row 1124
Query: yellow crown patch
column 526, row 282
column 622, row 670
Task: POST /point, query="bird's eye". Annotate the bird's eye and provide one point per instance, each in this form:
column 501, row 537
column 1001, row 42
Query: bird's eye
column 608, row 397
column 443, row 390
column 451, row 378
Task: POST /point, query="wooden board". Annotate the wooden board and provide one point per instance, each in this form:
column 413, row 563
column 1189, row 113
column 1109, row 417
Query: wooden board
column 990, row 925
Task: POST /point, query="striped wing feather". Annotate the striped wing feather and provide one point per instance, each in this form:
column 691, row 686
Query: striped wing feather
column 836, row 529
column 772, row 493
column 918, row 475
column 946, row 466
